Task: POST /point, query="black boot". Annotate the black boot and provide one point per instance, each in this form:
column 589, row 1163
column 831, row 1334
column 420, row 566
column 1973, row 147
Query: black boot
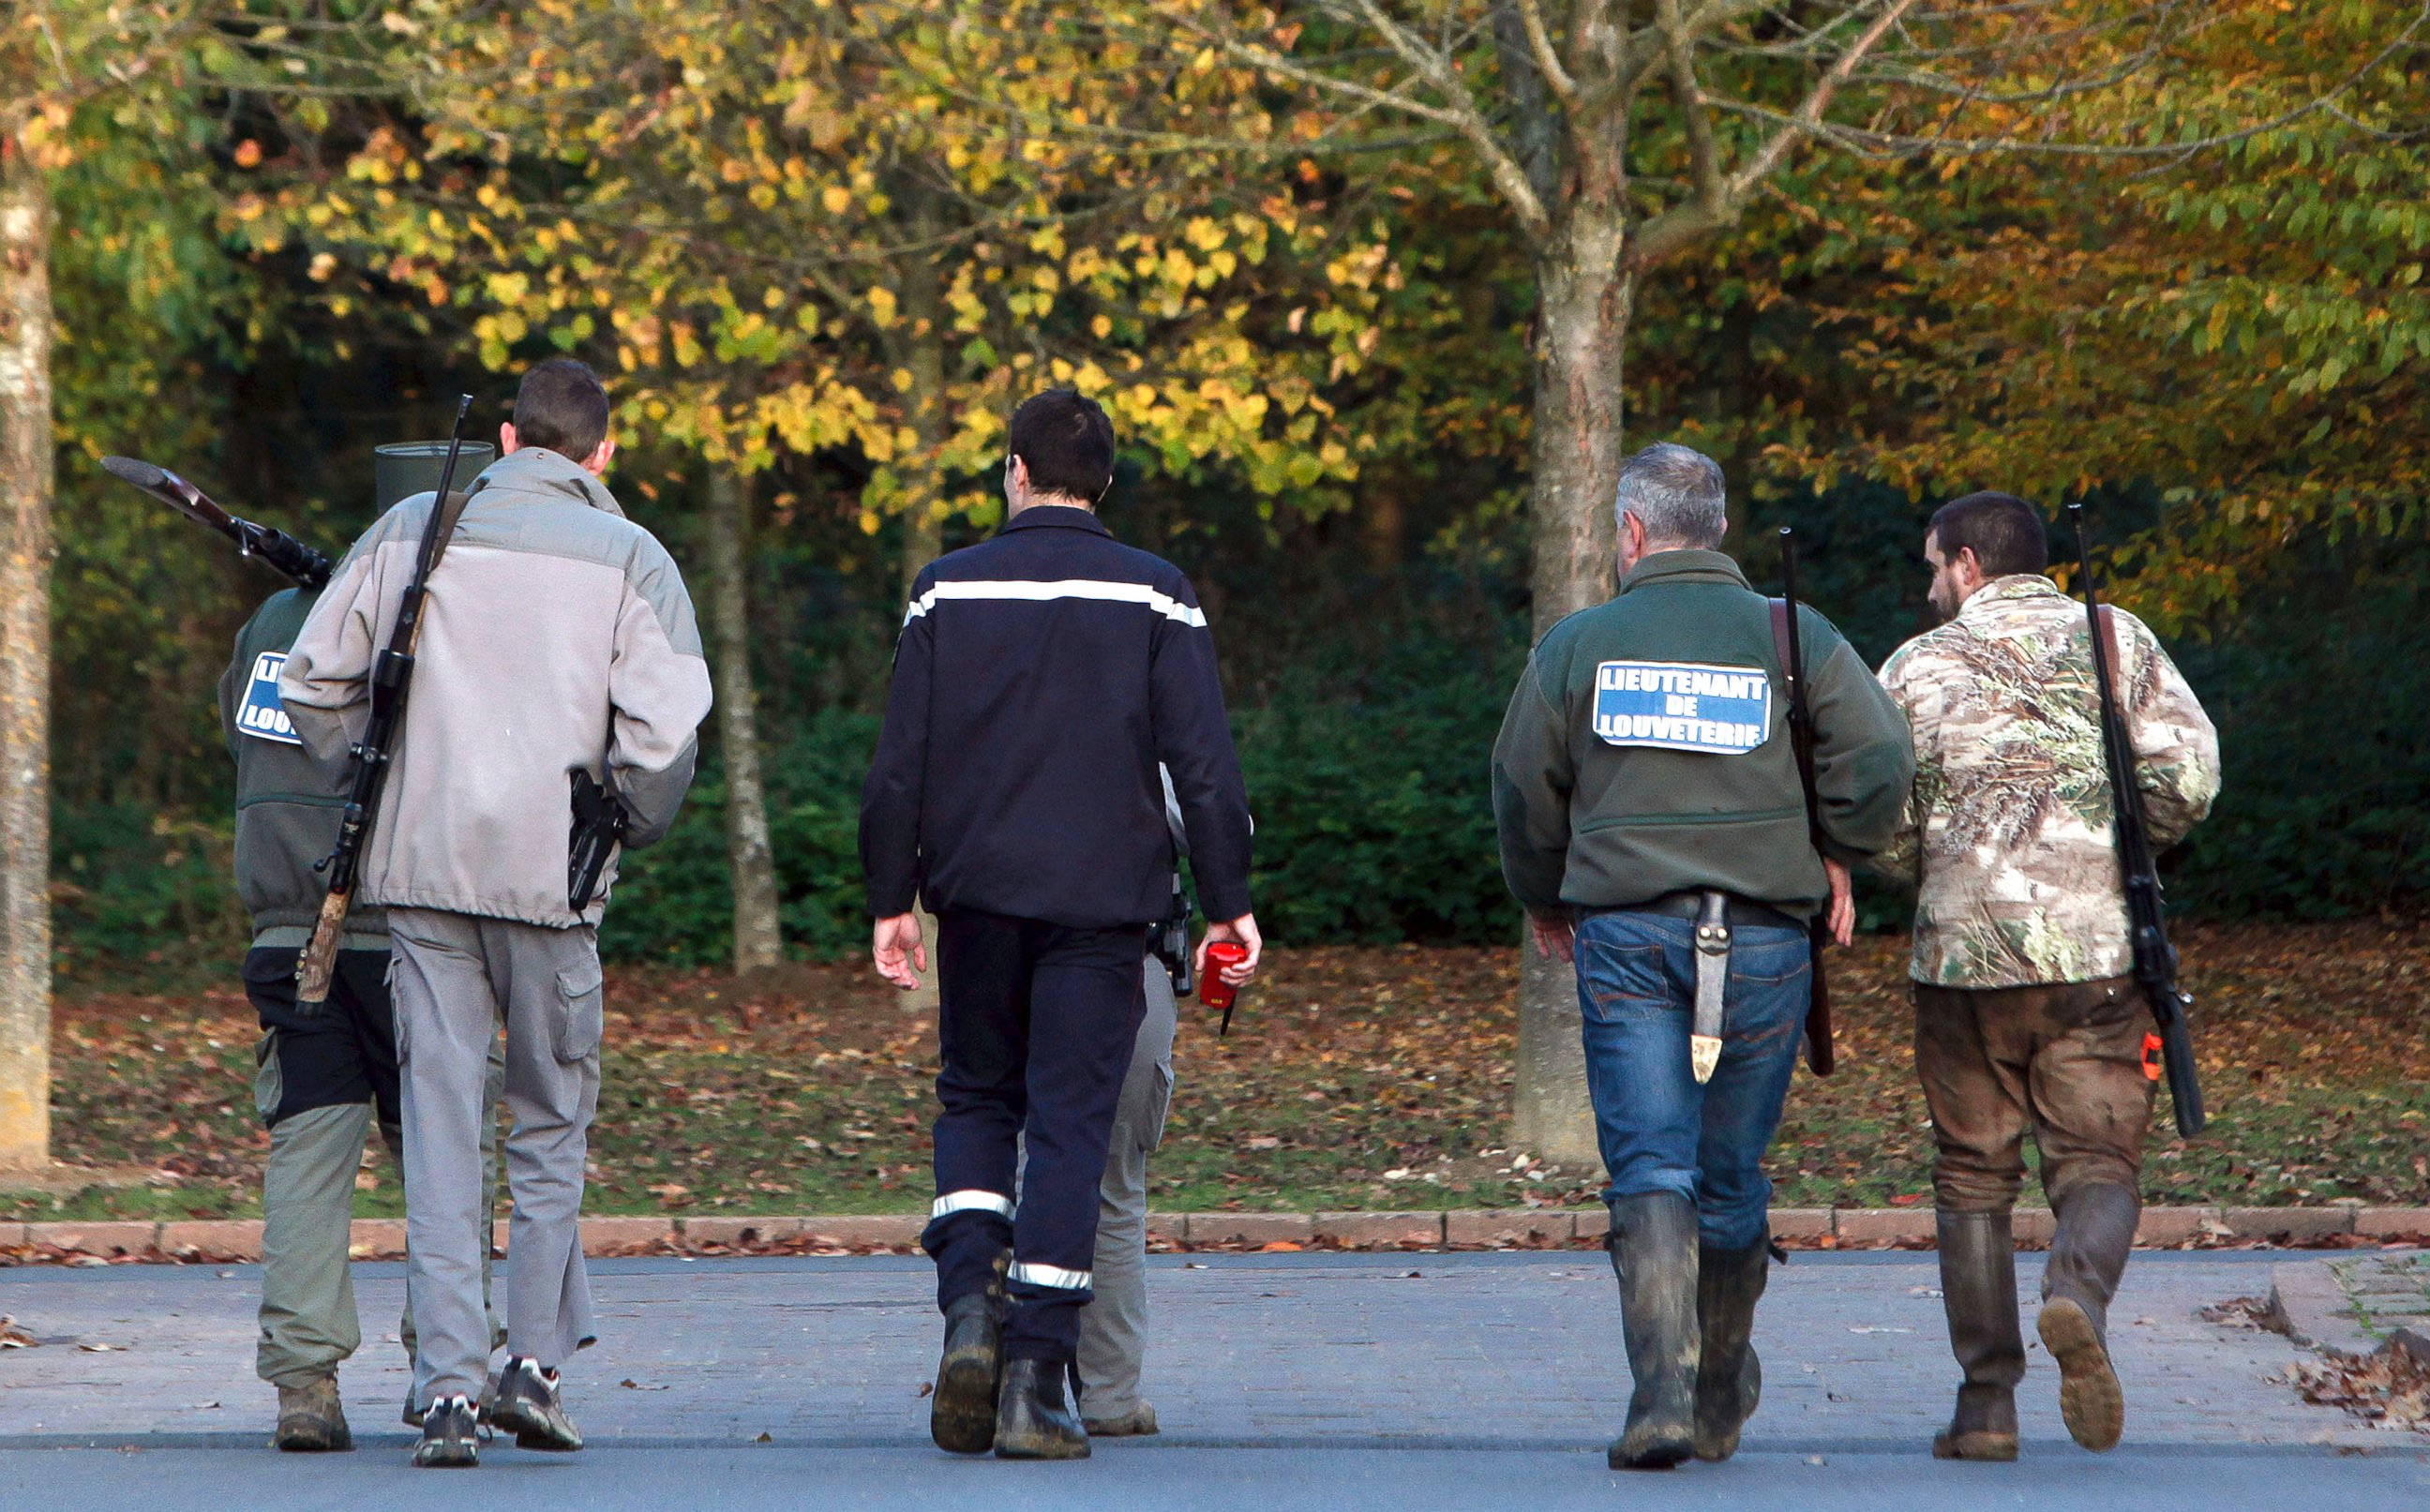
column 1033, row 1417
column 1729, row 1377
column 2096, row 1232
column 961, row 1415
column 1978, row 1291
column 1654, row 1253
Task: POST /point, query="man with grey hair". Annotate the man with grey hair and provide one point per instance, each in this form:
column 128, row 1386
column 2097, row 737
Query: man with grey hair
column 1653, row 825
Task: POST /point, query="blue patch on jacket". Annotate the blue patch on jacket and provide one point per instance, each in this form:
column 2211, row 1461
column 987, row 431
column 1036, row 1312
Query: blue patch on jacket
column 1680, row 705
column 262, row 715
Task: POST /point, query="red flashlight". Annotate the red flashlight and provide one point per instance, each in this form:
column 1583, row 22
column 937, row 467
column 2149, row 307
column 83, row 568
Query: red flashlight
column 1212, row 990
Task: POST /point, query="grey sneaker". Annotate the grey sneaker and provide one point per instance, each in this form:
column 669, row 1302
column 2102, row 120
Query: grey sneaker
column 311, row 1419
column 489, row 1395
column 450, row 1434
column 529, row 1406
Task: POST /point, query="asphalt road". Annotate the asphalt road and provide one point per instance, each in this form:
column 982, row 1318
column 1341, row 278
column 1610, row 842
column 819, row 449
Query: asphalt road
column 1284, row 1380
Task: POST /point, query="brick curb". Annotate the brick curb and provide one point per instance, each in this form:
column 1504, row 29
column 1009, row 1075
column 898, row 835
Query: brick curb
column 1485, row 1228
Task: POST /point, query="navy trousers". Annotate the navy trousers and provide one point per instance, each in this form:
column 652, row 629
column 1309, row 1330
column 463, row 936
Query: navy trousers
column 1037, row 1024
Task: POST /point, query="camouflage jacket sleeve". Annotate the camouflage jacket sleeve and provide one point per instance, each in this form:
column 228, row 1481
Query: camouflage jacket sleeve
column 1864, row 759
column 1533, row 775
column 1902, row 860
column 2176, row 748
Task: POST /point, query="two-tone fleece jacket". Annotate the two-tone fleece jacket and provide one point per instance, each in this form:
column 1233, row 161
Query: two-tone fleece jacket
column 287, row 803
column 1646, row 750
column 557, row 637
column 1040, row 679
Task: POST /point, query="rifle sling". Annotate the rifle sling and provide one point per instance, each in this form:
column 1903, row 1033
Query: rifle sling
column 1819, row 1050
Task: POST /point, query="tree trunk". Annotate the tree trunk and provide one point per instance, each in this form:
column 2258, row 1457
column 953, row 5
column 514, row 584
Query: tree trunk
column 757, row 941
column 1583, row 305
column 26, row 464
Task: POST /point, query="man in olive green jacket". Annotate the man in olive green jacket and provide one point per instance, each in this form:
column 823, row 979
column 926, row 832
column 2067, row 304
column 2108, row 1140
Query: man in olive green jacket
column 1653, row 825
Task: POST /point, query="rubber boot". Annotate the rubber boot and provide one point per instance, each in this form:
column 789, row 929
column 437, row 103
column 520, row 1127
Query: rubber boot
column 961, row 1415
column 2096, row 1232
column 311, row 1419
column 1033, row 1418
column 1729, row 1377
column 1654, row 1253
column 1978, row 1291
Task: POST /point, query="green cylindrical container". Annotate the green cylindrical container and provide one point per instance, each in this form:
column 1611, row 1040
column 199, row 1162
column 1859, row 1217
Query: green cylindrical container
column 404, row 469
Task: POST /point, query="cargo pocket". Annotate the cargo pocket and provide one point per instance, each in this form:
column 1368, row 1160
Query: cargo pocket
column 581, row 1012
column 269, row 1085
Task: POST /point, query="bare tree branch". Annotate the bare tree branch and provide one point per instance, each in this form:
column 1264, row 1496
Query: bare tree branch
column 1548, row 59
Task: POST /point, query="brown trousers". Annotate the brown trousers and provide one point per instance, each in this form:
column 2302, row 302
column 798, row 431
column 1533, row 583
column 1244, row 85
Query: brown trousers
column 2065, row 1061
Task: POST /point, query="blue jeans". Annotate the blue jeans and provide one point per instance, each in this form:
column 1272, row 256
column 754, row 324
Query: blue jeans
column 1659, row 1130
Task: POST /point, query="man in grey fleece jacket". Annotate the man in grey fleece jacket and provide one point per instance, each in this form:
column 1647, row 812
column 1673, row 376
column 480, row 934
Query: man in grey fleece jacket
column 556, row 638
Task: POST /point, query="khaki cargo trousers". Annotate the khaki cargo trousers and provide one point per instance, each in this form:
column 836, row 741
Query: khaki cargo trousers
column 2062, row 1062
column 457, row 978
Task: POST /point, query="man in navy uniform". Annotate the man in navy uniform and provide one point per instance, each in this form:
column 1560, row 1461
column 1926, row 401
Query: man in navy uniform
column 1040, row 677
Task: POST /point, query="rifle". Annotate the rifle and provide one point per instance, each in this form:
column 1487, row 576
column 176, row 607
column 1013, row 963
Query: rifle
column 308, row 566
column 2147, row 932
column 1801, row 743
column 392, row 673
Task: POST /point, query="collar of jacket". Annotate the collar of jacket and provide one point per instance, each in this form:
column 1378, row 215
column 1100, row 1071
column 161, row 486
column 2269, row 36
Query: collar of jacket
column 1057, row 517
column 1686, row 567
column 2009, row 589
column 537, row 470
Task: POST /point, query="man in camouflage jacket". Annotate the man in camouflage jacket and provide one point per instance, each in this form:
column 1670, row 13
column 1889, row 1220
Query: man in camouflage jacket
column 2026, row 1014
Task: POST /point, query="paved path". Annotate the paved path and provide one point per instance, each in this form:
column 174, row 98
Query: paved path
column 1447, row 1380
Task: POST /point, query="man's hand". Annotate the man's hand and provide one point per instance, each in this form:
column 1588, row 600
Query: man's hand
column 896, row 948
column 1240, row 931
column 1556, row 936
column 1843, row 904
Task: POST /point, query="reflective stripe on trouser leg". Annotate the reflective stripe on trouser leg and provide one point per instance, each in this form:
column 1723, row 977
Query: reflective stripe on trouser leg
column 1050, row 1276
column 971, row 1202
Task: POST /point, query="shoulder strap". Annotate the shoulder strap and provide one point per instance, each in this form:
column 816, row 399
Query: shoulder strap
column 2117, row 663
column 451, row 513
column 1780, row 634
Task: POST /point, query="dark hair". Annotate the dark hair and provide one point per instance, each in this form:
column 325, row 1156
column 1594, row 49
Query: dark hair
column 562, row 407
column 1067, row 444
column 2006, row 533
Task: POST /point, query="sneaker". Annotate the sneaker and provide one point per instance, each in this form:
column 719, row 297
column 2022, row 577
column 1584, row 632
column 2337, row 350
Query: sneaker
column 529, row 1406
column 450, row 1434
column 489, row 1395
column 311, row 1419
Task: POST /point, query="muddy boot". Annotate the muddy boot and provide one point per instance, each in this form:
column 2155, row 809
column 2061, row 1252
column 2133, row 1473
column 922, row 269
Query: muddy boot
column 1978, row 1291
column 1654, row 1253
column 310, row 1419
column 1033, row 1418
column 2096, row 1231
column 1729, row 1377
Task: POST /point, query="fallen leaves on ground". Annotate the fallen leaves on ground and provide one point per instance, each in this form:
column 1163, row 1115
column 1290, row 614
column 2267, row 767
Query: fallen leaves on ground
column 1353, row 1078
column 2388, row 1389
